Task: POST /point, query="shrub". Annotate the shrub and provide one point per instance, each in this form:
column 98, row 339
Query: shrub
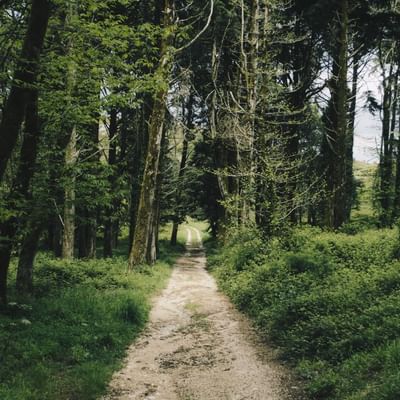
column 331, row 301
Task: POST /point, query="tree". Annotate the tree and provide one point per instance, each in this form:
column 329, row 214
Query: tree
column 24, row 78
column 338, row 132
column 145, row 216
column 187, row 132
column 18, row 199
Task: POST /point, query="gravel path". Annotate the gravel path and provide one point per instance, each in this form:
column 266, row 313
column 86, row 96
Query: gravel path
column 198, row 347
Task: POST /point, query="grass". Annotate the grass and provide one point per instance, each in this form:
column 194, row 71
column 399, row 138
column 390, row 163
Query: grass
column 364, row 173
column 202, row 226
column 330, row 301
column 66, row 341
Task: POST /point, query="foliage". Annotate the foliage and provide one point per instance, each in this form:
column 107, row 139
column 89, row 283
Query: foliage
column 66, row 342
column 254, row 125
column 331, row 301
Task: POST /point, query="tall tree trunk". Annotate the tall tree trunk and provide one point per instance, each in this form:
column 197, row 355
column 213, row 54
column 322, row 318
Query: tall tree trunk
column 386, row 156
column 87, row 230
column 139, row 252
column 69, row 200
column 340, row 195
column 20, row 193
column 87, row 226
column 63, row 139
column 219, row 224
column 394, row 142
column 71, row 154
column 395, row 105
column 24, row 77
column 144, row 221
column 137, row 166
column 178, row 217
column 153, row 248
column 185, row 148
column 249, row 74
column 29, row 248
column 112, row 159
column 82, row 232
column 350, row 138
column 7, row 230
column 396, row 208
column 337, row 161
column 141, row 145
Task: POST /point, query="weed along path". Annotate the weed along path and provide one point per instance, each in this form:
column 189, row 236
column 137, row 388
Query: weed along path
column 197, row 347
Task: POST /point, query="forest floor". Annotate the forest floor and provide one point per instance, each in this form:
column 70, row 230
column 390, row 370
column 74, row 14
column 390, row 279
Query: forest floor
column 198, row 347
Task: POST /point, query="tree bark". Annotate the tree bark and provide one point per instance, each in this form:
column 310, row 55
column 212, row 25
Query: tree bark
column 112, row 159
column 88, row 212
column 336, row 212
column 57, row 158
column 185, row 148
column 252, row 78
column 393, row 123
column 138, row 163
column 340, row 195
column 153, row 248
column 87, row 230
column 20, row 193
column 178, row 217
column 350, row 139
column 386, row 156
column 139, row 253
column 68, row 240
column 26, row 259
column 24, row 77
column 7, row 231
column 174, row 233
column 395, row 115
column 71, row 154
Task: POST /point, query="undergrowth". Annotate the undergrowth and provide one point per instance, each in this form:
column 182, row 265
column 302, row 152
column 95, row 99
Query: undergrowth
column 330, row 301
column 66, row 341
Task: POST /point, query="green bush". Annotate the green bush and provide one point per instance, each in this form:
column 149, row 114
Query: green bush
column 328, row 300
column 304, row 262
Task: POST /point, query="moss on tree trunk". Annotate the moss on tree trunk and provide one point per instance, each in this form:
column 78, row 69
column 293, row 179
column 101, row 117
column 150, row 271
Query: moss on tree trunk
column 145, row 221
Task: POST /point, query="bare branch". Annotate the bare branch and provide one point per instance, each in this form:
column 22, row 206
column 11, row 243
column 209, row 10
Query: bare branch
column 201, row 32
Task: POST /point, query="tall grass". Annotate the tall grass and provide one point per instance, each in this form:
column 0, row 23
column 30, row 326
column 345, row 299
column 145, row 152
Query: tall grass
column 66, row 341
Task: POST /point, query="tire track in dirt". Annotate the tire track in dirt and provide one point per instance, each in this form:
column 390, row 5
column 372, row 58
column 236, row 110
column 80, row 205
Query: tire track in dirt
column 198, row 347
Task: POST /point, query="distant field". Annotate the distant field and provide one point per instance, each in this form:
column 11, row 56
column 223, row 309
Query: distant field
column 365, row 173
column 202, row 226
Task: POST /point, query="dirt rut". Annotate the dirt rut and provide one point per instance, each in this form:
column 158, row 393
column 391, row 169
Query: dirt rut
column 198, row 347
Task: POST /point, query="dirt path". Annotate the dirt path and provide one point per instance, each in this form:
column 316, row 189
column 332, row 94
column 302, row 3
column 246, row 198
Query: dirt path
column 197, row 347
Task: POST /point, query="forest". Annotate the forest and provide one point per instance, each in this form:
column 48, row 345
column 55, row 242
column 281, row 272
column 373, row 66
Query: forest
column 126, row 124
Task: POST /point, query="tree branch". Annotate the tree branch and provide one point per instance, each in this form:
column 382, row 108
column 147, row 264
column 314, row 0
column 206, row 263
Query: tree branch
column 201, row 32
